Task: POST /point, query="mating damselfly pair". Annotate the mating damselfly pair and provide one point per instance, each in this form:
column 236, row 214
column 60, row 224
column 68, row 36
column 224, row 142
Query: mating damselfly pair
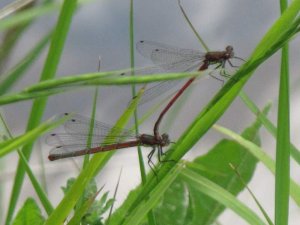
column 74, row 142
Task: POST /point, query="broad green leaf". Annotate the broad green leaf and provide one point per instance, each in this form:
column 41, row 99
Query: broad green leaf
column 172, row 208
column 202, row 184
column 29, row 214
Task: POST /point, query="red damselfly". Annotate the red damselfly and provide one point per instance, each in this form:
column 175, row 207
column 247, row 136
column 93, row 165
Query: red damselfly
column 73, row 142
column 172, row 59
column 181, row 60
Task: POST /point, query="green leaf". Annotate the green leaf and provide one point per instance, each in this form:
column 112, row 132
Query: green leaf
column 29, row 214
column 202, row 184
column 174, row 203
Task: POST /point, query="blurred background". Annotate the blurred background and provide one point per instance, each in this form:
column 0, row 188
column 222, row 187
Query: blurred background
column 101, row 28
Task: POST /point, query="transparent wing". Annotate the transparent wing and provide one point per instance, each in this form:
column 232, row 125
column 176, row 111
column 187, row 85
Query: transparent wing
column 169, row 58
column 77, row 134
column 80, row 124
column 160, row 88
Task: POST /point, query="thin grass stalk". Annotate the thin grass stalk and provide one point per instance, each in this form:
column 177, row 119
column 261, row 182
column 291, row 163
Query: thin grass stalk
column 133, row 90
column 13, row 75
column 295, row 153
column 150, row 215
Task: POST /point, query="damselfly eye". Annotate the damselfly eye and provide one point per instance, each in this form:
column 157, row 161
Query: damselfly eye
column 73, row 120
column 157, row 50
column 53, row 134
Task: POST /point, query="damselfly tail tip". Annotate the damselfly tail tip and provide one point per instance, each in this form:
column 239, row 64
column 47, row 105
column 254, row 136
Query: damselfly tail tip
column 52, row 157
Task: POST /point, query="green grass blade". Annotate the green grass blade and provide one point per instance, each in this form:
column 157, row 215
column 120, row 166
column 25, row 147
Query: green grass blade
column 150, row 215
column 268, row 124
column 209, row 188
column 49, row 70
column 96, row 163
column 12, row 144
column 144, row 207
column 263, row 157
column 215, row 162
column 55, row 86
column 192, row 27
column 282, row 176
column 38, row 189
column 91, row 130
column 12, row 76
column 133, row 93
column 268, row 219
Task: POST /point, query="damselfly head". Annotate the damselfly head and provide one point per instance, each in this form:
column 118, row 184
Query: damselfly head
column 165, row 140
column 229, row 52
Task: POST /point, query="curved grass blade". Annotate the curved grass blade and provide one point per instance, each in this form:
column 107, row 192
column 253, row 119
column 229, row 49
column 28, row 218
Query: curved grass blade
column 55, row 86
column 12, row 76
column 204, row 185
column 12, row 144
column 263, row 157
column 268, row 124
column 144, row 207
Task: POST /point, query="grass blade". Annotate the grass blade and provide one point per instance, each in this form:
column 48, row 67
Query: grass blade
column 12, row 76
column 282, row 176
column 144, row 207
column 70, row 83
column 268, row 124
column 221, row 195
column 49, row 70
column 263, row 157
